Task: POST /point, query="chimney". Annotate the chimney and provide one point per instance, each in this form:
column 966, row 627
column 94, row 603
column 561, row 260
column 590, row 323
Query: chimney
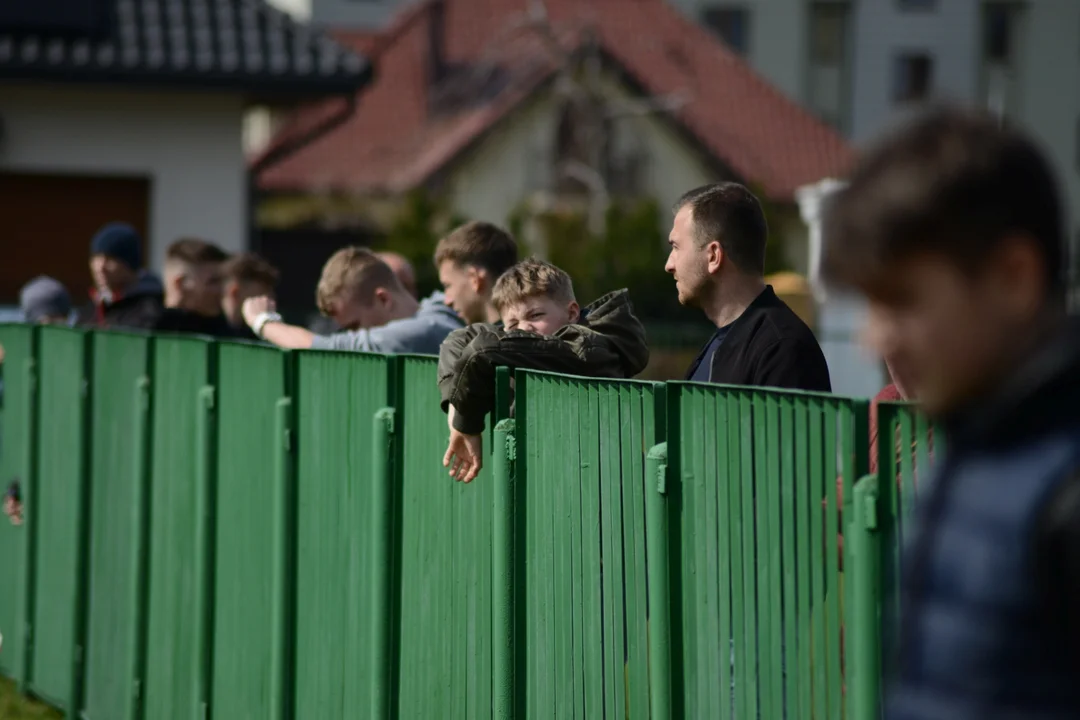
column 436, row 42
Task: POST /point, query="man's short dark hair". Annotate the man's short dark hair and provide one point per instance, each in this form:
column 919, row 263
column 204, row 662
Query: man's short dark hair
column 481, row 245
column 729, row 214
column 249, row 267
column 193, row 251
column 951, row 182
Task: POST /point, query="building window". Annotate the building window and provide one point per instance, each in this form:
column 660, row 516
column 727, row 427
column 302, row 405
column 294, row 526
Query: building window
column 829, row 75
column 1001, row 37
column 913, row 77
column 732, row 25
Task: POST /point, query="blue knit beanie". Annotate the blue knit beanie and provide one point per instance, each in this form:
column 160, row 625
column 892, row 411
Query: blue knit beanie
column 120, row 241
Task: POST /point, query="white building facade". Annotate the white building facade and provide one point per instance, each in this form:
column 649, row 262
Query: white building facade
column 858, row 62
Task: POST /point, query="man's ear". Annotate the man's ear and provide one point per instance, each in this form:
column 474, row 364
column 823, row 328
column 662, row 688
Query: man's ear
column 574, row 311
column 478, row 278
column 382, row 296
column 1018, row 275
column 714, row 257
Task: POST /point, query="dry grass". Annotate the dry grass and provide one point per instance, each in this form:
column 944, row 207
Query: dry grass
column 15, row 707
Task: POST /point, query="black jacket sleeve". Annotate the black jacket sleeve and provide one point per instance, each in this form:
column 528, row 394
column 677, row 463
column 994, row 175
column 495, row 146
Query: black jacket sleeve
column 470, row 356
column 1057, row 548
column 793, row 364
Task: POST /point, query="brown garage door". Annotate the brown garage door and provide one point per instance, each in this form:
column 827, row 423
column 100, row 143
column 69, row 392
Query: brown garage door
column 46, row 222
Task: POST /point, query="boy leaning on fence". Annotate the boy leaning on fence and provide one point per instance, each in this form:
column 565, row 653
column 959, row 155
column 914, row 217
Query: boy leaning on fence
column 544, row 328
column 952, row 227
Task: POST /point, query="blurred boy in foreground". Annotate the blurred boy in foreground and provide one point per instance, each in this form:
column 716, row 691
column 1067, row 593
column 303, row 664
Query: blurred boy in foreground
column 952, row 227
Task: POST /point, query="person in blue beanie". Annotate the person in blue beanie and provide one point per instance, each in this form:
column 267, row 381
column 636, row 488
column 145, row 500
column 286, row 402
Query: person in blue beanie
column 124, row 294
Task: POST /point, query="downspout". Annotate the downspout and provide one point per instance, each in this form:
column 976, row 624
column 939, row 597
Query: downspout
column 285, row 150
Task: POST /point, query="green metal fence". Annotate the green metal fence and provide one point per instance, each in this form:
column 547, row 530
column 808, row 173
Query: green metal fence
column 230, row 531
column 883, row 506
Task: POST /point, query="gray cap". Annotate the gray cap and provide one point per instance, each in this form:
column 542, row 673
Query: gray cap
column 44, row 297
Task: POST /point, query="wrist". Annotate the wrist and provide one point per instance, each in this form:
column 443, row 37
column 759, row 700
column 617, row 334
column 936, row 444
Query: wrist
column 262, row 319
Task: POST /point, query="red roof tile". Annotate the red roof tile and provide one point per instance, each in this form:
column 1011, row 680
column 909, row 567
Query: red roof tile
column 395, row 141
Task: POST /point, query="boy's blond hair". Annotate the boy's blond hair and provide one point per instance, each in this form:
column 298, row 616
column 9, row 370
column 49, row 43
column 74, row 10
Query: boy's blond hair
column 354, row 271
column 529, row 278
column 479, row 244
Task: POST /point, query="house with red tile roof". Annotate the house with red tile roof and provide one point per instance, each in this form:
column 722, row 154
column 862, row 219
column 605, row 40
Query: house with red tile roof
column 491, row 103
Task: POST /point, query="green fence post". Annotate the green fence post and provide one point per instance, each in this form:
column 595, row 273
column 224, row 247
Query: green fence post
column 504, row 451
column 382, row 460
column 281, row 667
column 29, row 492
column 140, row 526
column 82, row 569
column 659, row 577
column 206, row 466
column 864, row 628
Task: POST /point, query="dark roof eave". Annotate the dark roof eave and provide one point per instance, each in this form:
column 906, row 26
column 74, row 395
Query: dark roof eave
column 262, row 85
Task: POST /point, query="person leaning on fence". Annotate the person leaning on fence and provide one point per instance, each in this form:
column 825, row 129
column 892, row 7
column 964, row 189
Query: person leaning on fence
column 194, row 284
column 717, row 258
column 543, row 329
column 124, row 294
column 363, row 295
column 45, row 301
column 246, row 275
column 952, row 226
column 469, row 261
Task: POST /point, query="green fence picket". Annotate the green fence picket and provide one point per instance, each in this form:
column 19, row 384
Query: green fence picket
column 336, row 395
column 251, row 381
column 444, row 635
column 119, row 449
column 179, row 572
column 60, row 514
column 17, row 458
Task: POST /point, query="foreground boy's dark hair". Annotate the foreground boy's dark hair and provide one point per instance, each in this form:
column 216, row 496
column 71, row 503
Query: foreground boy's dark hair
column 951, row 182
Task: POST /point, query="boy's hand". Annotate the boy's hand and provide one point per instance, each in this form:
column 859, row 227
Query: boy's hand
column 13, row 509
column 464, row 456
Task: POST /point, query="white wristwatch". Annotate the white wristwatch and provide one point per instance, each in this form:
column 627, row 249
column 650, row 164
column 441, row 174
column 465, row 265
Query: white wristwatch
column 261, row 319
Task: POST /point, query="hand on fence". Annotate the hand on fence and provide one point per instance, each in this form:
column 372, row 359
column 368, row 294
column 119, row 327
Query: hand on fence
column 13, row 509
column 464, row 456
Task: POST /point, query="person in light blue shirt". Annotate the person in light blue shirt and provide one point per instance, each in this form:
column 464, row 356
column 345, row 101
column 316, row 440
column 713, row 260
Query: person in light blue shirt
column 362, row 295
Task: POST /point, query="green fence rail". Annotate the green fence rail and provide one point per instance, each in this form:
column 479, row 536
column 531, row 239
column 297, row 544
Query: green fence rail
column 224, row 530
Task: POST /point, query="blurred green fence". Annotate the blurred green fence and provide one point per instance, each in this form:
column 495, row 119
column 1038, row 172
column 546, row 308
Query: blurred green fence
column 878, row 529
column 220, row 530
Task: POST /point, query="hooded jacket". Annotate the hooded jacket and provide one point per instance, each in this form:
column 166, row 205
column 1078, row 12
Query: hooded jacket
column 608, row 341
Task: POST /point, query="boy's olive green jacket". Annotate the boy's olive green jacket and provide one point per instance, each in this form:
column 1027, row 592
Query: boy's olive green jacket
column 608, row 341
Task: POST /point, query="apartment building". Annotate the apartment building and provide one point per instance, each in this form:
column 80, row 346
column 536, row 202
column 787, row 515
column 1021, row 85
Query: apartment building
column 858, row 63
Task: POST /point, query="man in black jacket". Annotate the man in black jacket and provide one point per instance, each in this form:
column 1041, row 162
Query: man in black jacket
column 718, row 261
column 123, row 296
column 194, row 283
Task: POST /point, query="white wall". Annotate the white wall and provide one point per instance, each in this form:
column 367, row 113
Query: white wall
column 188, row 144
column 515, row 161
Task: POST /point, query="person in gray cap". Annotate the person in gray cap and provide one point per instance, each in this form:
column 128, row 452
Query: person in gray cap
column 44, row 300
column 124, row 294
